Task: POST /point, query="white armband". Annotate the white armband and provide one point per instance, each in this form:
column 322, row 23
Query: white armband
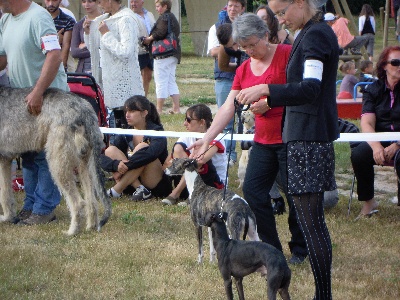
column 313, row 69
column 50, row 42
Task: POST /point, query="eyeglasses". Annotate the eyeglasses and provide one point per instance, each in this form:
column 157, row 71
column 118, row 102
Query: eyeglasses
column 394, row 62
column 282, row 13
column 189, row 119
column 251, row 46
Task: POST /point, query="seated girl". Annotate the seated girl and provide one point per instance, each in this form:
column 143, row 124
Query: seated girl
column 349, row 81
column 143, row 169
column 213, row 171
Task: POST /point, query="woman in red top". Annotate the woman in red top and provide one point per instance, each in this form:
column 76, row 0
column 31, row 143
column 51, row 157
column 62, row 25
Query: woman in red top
column 267, row 64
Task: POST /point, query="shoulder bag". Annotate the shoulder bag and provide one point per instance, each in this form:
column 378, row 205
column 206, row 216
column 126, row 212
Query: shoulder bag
column 166, row 47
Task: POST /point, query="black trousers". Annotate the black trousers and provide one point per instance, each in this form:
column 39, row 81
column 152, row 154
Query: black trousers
column 363, row 165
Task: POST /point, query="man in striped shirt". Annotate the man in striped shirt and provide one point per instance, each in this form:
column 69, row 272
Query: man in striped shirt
column 64, row 25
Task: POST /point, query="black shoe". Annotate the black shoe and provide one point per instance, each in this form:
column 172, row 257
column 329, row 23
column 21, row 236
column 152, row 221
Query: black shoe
column 36, row 219
column 297, row 259
column 22, row 215
column 141, row 194
column 279, row 206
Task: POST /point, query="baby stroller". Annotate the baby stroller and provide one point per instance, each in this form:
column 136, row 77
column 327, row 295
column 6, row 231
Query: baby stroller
column 85, row 86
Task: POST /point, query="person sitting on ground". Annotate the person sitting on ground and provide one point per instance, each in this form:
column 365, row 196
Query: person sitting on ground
column 349, row 81
column 143, row 169
column 380, row 113
column 346, row 40
column 213, row 171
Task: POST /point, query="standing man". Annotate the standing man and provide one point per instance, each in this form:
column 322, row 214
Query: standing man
column 64, row 25
column 145, row 61
column 224, row 80
column 28, row 43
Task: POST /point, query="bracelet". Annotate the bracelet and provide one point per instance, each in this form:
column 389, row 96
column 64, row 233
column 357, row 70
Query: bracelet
column 266, row 101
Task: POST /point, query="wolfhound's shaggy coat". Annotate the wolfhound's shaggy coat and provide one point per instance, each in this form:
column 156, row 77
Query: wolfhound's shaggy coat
column 67, row 129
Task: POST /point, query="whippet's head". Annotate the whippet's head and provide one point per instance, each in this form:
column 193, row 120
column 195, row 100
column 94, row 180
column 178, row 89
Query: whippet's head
column 216, row 217
column 179, row 165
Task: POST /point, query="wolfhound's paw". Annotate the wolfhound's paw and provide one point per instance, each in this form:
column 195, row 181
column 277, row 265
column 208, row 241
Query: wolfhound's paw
column 72, row 231
column 200, row 259
column 9, row 219
column 92, row 227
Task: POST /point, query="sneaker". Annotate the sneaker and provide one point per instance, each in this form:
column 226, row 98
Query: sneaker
column 23, row 215
column 36, row 219
column 297, row 259
column 169, row 200
column 279, row 206
column 141, row 194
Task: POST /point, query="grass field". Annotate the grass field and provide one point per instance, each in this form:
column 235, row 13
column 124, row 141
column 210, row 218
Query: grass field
column 148, row 251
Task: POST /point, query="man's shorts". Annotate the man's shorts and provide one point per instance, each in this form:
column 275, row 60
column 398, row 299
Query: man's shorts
column 145, row 61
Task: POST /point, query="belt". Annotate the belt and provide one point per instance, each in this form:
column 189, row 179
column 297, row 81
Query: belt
column 163, row 56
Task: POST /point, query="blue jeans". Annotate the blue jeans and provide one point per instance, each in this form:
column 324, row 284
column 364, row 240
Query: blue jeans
column 265, row 163
column 222, row 88
column 41, row 194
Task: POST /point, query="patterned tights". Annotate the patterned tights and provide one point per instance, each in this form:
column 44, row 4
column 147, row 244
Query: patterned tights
column 310, row 214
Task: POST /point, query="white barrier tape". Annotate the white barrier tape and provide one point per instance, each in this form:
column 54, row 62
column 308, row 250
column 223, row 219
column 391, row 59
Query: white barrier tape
column 344, row 137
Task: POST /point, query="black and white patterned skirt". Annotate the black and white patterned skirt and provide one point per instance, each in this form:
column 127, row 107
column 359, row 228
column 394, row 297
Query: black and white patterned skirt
column 311, row 167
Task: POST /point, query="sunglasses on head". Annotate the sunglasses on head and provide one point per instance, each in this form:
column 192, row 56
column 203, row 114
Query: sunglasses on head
column 394, row 62
column 189, row 119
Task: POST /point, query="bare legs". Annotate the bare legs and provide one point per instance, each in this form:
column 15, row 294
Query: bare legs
column 150, row 174
column 175, row 104
column 146, row 77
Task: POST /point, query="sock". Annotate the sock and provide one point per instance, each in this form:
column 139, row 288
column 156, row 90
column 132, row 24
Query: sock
column 114, row 193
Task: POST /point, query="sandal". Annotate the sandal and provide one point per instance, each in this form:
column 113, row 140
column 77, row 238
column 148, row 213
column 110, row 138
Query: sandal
column 366, row 216
column 169, row 200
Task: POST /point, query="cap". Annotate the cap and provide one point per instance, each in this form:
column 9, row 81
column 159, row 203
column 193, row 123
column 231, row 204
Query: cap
column 329, row 17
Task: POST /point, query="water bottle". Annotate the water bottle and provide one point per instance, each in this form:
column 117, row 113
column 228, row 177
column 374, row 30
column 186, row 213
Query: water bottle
column 13, row 169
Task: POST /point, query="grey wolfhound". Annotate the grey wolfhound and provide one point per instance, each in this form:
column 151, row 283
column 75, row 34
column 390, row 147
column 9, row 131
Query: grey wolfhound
column 204, row 199
column 67, row 129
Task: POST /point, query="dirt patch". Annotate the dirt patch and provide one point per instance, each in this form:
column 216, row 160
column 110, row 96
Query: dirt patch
column 385, row 184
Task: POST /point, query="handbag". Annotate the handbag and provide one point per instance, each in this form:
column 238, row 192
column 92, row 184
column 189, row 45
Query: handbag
column 166, row 47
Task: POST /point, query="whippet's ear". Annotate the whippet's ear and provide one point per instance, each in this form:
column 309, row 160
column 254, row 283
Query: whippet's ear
column 223, row 216
column 193, row 162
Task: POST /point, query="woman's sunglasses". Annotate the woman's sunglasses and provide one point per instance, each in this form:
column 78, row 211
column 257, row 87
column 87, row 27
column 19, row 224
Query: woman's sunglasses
column 189, row 119
column 394, row 62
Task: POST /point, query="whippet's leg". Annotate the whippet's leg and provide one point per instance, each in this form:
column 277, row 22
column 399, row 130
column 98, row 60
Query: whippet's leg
column 200, row 243
column 228, row 288
column 239, row 287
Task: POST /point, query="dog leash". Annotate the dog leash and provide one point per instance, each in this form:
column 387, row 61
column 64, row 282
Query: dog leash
column 238, row 108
